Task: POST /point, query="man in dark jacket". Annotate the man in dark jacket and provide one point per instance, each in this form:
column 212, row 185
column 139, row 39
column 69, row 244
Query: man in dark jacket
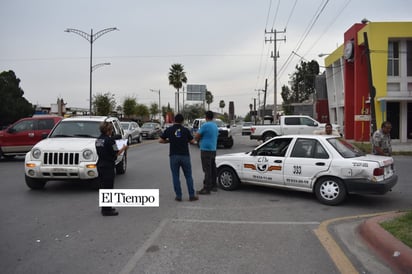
column 179, row 137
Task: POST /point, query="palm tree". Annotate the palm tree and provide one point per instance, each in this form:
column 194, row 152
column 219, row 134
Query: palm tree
column 209, row 99
column 177, row 76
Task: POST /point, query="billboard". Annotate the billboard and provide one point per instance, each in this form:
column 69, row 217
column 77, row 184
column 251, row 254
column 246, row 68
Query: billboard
column 196, row 92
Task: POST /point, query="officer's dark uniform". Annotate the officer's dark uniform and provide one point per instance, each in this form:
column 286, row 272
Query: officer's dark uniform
column 107, row 151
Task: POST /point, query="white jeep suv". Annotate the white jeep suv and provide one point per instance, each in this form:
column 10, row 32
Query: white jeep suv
column 69, row 152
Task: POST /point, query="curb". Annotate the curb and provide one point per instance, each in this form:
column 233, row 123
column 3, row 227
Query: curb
column 395, row 253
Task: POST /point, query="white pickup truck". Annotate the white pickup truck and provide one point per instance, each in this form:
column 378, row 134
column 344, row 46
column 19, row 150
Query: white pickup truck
column 288, row 124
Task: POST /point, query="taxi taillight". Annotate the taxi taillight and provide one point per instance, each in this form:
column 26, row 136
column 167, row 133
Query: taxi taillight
column 379, row 171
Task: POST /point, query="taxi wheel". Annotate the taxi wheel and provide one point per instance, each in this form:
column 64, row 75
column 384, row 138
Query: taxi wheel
column 330, row 191
column 227, row 178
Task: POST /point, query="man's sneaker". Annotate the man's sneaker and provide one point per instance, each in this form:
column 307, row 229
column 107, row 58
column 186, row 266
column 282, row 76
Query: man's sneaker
column 194, row 198
column 203, row 191
column 178, row 199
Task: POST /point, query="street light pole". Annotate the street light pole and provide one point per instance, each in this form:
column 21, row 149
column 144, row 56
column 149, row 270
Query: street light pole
column 91, row 38
column 100, row 65
column 160, row 110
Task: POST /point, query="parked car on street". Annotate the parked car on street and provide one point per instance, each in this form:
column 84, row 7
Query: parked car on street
column 325, row 165
column 69, row 152
column 132, row 131
column 20, row 137
column 246, row 131
column 151, row 130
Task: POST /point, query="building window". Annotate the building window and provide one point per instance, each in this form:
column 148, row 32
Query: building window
column 393, row 58
column 409, row 57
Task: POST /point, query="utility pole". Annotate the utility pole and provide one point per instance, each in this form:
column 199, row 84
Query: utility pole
column 264, row 99
column 275, row 56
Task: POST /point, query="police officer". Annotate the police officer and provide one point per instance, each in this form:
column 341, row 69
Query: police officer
column 107, row 151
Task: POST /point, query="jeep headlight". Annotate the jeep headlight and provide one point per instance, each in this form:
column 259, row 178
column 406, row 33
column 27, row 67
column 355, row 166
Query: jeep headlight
column 87, row 154
column 36, row 153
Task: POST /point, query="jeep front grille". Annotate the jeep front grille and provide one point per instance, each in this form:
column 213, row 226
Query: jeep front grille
column 61, row 158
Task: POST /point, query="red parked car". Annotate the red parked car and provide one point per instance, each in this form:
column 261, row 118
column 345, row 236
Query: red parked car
column 20, row 137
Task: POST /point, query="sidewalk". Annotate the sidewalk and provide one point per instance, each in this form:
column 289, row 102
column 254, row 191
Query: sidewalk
column 401, row 147
column 369, row 247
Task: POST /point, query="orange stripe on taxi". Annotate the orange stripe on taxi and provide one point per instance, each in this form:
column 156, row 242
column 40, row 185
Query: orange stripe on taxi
column 251, row 166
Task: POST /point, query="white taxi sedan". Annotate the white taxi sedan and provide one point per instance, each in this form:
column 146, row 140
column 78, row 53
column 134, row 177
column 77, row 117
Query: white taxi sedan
column 329, row 166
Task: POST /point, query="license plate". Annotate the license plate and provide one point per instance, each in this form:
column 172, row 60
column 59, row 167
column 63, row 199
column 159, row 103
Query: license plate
column 58, row 169
column 144, row 134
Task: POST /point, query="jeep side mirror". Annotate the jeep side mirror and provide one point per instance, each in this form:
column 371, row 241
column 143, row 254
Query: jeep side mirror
column 228, row 126
column 254, row 152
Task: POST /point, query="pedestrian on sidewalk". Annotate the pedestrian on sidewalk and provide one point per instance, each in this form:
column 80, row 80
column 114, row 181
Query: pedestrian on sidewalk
column 327, row 131
column 381, row 140
column 179, row 138
column 207, row 136
column 107, row 151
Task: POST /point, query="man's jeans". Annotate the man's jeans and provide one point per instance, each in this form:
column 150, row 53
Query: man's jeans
column 209, row 168
column 177, row 161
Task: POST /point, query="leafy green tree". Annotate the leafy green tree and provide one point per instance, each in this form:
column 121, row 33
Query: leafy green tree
column 248, row 117
column 154, row 109
column 177, row 76
column 13, row 105
column 129, row 107
column 209, row 98
column 286, row 96
column 142, row 111
column 303, row 81
column 104, row 104
column 194, row 111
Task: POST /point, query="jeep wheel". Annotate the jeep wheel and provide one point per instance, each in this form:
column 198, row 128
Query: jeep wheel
column 35, row 183
column 122, row 165
column 139, row 139
column 227, row 178
column 330, row 191
column 129, row 140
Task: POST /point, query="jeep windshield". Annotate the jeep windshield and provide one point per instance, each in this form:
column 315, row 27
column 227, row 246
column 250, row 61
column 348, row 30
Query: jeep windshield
column 82, row 129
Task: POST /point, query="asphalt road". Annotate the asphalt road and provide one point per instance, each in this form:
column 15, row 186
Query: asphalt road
column 251, row 230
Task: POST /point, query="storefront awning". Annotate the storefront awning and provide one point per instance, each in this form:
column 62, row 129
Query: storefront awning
column 395, row 99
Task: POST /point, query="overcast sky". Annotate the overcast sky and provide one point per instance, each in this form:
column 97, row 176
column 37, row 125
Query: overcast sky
column 220, row 43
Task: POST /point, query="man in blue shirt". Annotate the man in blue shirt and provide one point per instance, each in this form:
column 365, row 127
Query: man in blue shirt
column 207, row 136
